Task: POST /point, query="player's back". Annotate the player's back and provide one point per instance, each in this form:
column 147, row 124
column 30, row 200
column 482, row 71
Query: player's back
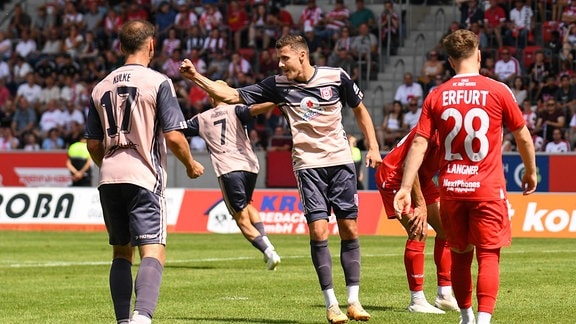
column 127, row 102
column 225, row 134
column 469, row 112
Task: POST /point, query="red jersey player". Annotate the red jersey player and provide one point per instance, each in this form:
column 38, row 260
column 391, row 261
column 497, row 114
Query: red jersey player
column 468, row 112
column 425, row 210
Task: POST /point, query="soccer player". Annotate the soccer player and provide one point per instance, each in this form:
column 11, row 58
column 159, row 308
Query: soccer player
column 424, row 210
column 224, row 130
column 468, row 112
column 133, row 116
column 312, row 99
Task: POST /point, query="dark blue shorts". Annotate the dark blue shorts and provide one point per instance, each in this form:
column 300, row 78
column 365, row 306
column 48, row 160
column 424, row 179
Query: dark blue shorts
column 323, row 190
column 133, row 214
column 237, row 188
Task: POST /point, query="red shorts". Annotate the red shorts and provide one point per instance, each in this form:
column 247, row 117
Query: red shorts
column 483, row 224
column 429, row 190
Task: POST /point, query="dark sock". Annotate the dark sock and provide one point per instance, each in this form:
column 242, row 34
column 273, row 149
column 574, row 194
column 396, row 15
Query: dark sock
column 322, row 261
column 259, row 244
column 121, row 287
column 147, row 285
column 260, row 227
column 350, row 260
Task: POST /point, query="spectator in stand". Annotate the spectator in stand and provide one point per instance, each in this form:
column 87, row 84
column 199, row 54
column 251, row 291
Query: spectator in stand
column 89, row 49
column 571, row 132
column 52, row 140
column 547, row 90
column 184, row 19
column 507, row 68
column 347, row 63
column 41, row 24
column 255, row 140
column 213, row 42
column 408, row 89
column 478, row 29
column 521, row 25
column 71, row 115
column 24, row 119
column 164, row 19
column 238, row 22
column 539, row 70
column 199, row 62
column 199, row 101
column 238, row 65
column 5, row 46
column 431, row 68
column 94, row 20
column 51, row 118
column 261, row 29
column 390, row 22
column 8, row 141
column 495, row 21
column 519, row 90
column 194, row 40
column 412, row 114
column 343, row 42
column 392, row 128
column 280, row 18
column 170, row 43
column 20, row 68
column 53, row 44
column 72, row 90
column 112, row 23
column 26, row 47
column 470, row 12
column 268, row 65
column 43, row 69
column 333, row 21
column 171, row 66
column 30, row 141
column 438, row 80
column 74, row 42
column 315, row 44
column 210, row 19
column 281, row 140
column 529, row 115
column 137, row 11
column 218, row 67
column 569, row 14
column 558, row 144
column 365, row 46
column 74, row 134
column 550, row 119
column 30, row 90
column 5, row 97
column 363, row 15
column 72, row 17
column 566, row 96
column 19, row 22
column 310, row 17
column 66, row 67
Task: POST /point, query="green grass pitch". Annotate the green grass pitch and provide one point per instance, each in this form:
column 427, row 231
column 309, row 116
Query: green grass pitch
column 62, row 277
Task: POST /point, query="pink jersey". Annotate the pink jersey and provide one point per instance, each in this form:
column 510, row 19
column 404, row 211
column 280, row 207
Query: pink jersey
column 468, row 111
column 390, row 172
column 130, row 110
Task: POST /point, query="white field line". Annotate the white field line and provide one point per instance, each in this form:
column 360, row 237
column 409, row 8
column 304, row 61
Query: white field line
column 34, row 264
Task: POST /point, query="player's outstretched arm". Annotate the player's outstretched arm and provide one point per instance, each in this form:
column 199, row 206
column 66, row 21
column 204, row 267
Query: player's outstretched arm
column 178, row 144
column 526, row 150
column 222, row 92
column 261, row 108
column 373, row 157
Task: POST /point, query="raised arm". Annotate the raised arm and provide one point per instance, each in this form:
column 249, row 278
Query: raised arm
column 215, row 89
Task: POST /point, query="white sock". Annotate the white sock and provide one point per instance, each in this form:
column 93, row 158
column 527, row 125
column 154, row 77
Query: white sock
column 140, row 319
column 417, row 295
column 484, row 318
column 329, row 297
column 353, row 292
column 269, row 252
column 267, row 242
column 467, row 315
column 444, row 291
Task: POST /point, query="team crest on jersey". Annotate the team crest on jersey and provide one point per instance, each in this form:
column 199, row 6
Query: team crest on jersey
column 326, row 93
column 309, row 107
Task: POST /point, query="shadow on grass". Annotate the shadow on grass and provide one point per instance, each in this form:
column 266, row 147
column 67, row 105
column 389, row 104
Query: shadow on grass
column 197, row 267
column 234, row 320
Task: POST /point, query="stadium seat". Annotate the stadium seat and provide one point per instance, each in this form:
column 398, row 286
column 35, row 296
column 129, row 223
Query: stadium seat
column 547, row 28
column 528, row 55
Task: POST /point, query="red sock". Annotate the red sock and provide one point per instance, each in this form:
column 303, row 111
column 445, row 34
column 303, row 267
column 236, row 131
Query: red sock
column 443, row 262
column 462, row 278
column 488, row 278
column 414, row 263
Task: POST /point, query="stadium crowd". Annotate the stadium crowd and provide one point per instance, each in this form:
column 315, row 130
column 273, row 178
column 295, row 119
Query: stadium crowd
column 50, row 60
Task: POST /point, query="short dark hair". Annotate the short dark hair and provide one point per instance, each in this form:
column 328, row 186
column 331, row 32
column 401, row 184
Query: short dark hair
column 134, row 34
column 295, row 41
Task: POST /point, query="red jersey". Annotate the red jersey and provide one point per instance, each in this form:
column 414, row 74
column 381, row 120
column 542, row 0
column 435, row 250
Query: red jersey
column 468, row 111
column 389, row 173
